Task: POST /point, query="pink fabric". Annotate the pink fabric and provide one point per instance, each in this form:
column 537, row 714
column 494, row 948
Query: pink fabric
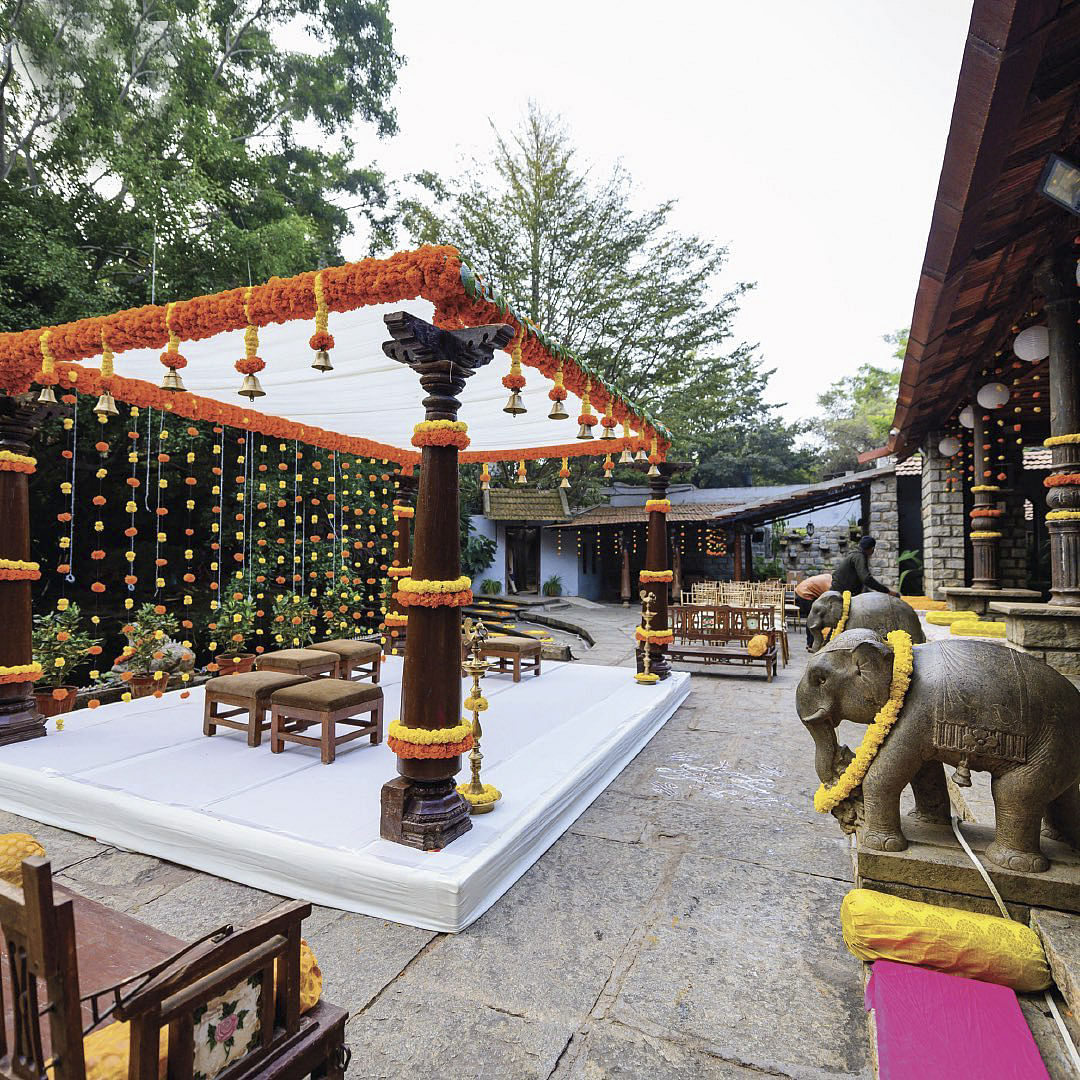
column 934, row 1025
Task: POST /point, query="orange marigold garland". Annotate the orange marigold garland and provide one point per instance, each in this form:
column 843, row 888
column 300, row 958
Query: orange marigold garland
column 12, row 462
column 654, row 637
column 171, row 357
column 658, row 506
column 986, row 512
column 19, row 570
column 441, row 433
column 515, row 380
column 656, row 575
column 322, row 338
column 609, row 464
column 1062, row 479
column 587, row 418
column 558, row 391
column 251, row 363
column 607, row 420
column 564, row 472
column 426, row 592
column 403, row 512
column 19, row 673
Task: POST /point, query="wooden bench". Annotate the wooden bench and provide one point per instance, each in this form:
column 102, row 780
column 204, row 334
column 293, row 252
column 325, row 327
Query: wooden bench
column 311, row 663
column 510, row 653
column 190, row 992
column 716, row 634
column 325, row 703
column 356, row 659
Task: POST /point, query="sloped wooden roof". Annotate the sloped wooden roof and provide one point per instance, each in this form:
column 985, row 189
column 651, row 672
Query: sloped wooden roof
column 506, row 504
column 635, row 515
column 1016, row 103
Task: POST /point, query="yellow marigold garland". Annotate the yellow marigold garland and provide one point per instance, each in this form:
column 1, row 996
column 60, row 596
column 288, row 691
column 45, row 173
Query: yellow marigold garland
column 475, row 704
column 429, row 737
column 1061, row 515
column 441, row 433
column 826, row 799
column 20, row 673
column 403, row 512
column 657, row 637
column 830, row 631
column 392, row 618
column 656, row 575
column 986, row 487
column 491, row 794
column 19, row 570
column 985, row 534
column 428, row 586
column 646, row 680
column 1062, row 440
column 12, row 462
column 398, row 571
column 431, row 593
column 659, row 506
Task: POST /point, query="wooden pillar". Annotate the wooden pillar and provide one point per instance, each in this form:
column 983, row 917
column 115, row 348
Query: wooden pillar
column 625, row 592
column 737, row 551
column 656, row 559
column 676, row 568
column 19, row 420
column 421, row 808
column 985, row 494
column 1055, row 279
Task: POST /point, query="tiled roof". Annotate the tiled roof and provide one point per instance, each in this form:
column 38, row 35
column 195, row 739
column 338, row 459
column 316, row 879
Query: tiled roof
column 632, row 515
column 505, row 504
column 911, row 467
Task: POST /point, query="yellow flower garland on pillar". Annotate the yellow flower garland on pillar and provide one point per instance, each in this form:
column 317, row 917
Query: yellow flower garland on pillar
column 826, row 799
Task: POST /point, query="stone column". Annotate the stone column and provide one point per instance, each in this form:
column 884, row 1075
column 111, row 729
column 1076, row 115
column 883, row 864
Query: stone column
column 421, row 808
column 885, row 529
column 1055, row 279
column 656, row 559
column 19, row 420
column 985, row 494
column 1013, row 547
column 942, row 522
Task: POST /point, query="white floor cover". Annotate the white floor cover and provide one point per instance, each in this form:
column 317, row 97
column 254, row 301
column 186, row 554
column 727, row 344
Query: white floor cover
column 141, row 775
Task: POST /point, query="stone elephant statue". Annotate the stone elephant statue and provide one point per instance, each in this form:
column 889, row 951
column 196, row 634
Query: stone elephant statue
column 875, row 611
column 971, row 704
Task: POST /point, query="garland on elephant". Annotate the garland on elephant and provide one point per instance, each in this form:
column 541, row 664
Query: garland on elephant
column 828, row 798
column 839, row 628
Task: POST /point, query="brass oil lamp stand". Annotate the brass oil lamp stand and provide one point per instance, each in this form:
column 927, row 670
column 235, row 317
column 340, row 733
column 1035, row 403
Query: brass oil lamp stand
column 646, row 677
column 481, row 797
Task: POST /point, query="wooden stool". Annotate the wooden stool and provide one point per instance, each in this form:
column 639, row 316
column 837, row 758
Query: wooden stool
column 309, row 662
column 356, row 659
column 250, row 693
column 510, row 652
column 327, row 702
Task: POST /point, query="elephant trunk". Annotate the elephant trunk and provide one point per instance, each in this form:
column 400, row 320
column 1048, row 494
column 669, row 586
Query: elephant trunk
column 816, row 639
column 825, row 745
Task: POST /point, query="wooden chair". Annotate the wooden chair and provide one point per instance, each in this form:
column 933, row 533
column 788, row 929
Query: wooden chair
column 193, row 995
column 249, row 695
column 358, row 660
column 311, row 663
column 326, row 703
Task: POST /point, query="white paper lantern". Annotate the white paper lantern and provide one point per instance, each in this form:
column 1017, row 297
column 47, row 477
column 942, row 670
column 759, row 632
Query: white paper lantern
column 948, row 446
column 1032, row 344
column 993, row 395
column 967, row 416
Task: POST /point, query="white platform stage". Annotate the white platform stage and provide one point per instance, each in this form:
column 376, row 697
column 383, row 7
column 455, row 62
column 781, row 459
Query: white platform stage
column 141, row 775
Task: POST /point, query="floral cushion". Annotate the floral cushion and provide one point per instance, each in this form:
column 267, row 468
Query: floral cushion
column 107, row 1052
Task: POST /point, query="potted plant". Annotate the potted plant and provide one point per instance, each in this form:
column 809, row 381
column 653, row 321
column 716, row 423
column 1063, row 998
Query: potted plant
column 491, row 586
column 60, row 647
column 150, row 653
column 853, row 528
column 235, row 626
column 553, row 586
column 292, row 616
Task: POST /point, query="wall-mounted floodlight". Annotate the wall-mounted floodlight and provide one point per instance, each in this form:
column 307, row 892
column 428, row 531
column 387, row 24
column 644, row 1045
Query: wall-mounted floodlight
column 1060, row 183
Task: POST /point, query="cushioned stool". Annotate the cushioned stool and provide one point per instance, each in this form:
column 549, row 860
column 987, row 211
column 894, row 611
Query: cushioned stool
column 510, row 652
column 250, row 693
column 309, row 662
column 356, row 659
column 327, row 702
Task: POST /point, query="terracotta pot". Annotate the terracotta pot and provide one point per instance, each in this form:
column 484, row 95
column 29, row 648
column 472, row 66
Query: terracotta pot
column 235, row 663
column 47, row 705
column 145, row 685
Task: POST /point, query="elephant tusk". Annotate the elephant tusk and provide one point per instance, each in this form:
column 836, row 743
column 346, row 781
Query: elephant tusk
column 817, row 717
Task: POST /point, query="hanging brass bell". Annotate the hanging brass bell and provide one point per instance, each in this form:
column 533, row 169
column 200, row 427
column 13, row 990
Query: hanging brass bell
column 322, row 361
column 584, row 432
column 625, row 458
column 251, row 388
column 608, row 433
column 653, row 471
column 558, row 412
column 641, row 456
column 173, row 382
column 515, row 406
column 106, row 406
column 47, row 397
column 520, row 478
column 564, row 483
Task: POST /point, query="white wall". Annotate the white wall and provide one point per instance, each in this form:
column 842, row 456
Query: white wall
column 564, row 564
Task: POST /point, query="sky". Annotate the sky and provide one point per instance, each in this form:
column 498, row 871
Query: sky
column 806, row 137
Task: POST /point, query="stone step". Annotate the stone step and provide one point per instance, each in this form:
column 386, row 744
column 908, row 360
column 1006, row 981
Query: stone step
column 1060, row 934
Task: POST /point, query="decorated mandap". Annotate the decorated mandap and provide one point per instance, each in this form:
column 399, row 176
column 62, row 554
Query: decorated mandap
column 304, row 385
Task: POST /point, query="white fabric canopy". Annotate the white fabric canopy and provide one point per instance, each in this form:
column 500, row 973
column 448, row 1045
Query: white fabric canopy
column 367, row 395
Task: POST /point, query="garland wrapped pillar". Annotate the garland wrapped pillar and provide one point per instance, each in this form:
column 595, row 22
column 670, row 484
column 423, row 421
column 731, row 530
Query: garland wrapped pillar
column 624, row 577
column 421, row 808
column 396, row 618
column 656, row 578
column 1056, row 280
column 984, row 533
column 19, row 420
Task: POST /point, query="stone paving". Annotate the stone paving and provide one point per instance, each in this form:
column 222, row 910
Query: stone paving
column 686, row 926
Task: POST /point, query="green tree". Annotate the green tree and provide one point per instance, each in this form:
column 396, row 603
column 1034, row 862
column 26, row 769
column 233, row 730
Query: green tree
column 857, row 412
column 639, row 301
column 193, row 143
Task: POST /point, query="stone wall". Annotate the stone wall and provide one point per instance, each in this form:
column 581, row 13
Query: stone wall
column 885, row 529
column 943, row 524
column 818, row 553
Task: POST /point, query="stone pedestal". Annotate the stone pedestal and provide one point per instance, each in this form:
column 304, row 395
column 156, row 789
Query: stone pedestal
column 1049, row 631
column 978, row 599
column 935, row 869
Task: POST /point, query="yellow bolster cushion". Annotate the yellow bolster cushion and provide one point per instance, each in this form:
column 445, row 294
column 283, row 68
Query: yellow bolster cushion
column 947, row 618
column 881, row 927
column 107, row 1051
column 14, row 847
